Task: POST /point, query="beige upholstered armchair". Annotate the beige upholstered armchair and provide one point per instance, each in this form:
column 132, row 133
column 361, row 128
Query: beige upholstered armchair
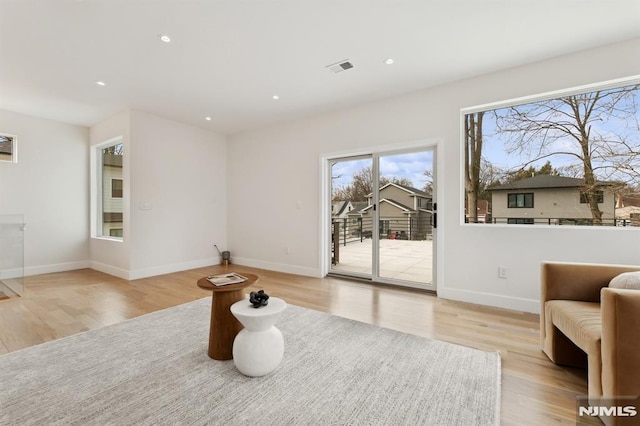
column 583, row 322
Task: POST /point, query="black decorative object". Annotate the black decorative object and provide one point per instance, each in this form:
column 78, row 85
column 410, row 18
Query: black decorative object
column 258, row 298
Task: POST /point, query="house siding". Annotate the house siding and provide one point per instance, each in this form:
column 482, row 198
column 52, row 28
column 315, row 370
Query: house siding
column 557, row 203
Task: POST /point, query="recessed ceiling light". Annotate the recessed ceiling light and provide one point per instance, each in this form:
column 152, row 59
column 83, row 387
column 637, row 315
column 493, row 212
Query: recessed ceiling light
column 208, row 118
column 165, row 38
column 101, row 83
column 276, row 97
column 388, row 61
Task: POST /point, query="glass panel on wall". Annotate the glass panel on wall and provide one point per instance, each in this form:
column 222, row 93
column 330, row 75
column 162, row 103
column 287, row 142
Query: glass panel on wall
column 8, row 148
column 383, row 217
column 351, row 216
column 405, row 246
column 112, row 191
column 11, row 256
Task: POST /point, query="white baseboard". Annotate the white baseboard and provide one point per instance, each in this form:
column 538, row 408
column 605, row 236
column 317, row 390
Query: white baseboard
column 11, row 273
column 152, row 271
column 175, row 267
column 279, row 267
column 488, row 299
column 108, row 269
column 57, row 267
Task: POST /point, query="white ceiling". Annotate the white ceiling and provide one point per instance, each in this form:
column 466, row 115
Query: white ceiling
column 227, row 58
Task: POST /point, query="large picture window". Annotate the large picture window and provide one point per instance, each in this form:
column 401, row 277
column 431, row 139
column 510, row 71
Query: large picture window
column 576, row 154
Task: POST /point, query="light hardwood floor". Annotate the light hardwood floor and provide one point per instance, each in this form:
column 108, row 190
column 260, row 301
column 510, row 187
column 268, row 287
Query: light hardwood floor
column 534, row 391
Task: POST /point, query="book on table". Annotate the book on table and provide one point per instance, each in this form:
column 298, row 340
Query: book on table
column 226, row 279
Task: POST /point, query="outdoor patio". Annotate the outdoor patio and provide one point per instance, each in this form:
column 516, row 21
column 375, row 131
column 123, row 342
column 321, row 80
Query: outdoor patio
column 399, row 259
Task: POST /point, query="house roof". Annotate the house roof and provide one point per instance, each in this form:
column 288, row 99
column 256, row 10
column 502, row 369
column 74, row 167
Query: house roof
column 411, row 190
column 546, row 181
column 395, row 203
column 339, row 207
column 358, row 206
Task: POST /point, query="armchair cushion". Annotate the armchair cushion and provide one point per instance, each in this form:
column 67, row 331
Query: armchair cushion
column 626, row 280
column 579, row 321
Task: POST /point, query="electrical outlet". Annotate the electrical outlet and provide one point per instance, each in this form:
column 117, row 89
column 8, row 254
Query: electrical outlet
column 502, row 272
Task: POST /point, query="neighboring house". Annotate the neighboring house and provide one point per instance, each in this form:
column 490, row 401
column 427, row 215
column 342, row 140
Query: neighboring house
column 484, row 211
column 346, row 225
column 405, row 213
column 340, row 209
column 546, row 199
column 112, row 195
column 356, row 223
column 628, row 210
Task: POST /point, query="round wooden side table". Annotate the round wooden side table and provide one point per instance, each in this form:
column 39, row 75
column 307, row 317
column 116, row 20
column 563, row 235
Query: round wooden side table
column 224, row 326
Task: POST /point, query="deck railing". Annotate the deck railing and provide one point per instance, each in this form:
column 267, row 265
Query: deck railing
column 357, row 229
column 564, row 221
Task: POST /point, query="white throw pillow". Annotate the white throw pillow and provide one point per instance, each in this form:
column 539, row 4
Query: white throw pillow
column 628, row 280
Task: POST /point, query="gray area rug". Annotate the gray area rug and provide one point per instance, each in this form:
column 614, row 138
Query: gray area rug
column 154, row 369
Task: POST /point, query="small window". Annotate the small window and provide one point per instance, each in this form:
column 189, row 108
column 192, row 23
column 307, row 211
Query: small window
column 109, row 189
column 519, row 221
column 8, row 151
column 116, row 188
column 599, row 196
column 520, row 201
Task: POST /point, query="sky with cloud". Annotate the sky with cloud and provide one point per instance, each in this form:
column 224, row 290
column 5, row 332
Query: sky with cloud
column 407, row 165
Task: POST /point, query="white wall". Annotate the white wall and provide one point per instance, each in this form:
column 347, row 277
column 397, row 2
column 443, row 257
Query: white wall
column 274, row 175
column 178, row 206
column 174, row 197
column 50, row 186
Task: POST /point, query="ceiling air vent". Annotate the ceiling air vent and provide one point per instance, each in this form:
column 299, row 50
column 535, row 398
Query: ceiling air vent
column 340, row 66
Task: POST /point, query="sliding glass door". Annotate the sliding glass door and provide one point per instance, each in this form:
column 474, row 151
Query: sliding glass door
column 382, row 217
column 405, row 215
column 351, row 230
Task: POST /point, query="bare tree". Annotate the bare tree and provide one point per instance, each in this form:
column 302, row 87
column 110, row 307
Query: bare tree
column 598, row 130
column 117, row 149
column 472, row 157
column 362, row 185
column 428, row 181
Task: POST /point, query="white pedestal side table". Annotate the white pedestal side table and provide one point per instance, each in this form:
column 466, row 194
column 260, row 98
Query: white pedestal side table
column 259, row 347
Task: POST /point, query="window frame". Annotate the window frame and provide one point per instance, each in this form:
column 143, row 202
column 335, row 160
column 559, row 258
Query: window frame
column 97, row 176
column 585, row 200
column 524, row 200
column 543, row 96
column 13, row 156
column 116, row 192
column 520, row 221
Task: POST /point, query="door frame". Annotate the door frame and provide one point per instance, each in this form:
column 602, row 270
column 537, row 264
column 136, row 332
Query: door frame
column 435, row 144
